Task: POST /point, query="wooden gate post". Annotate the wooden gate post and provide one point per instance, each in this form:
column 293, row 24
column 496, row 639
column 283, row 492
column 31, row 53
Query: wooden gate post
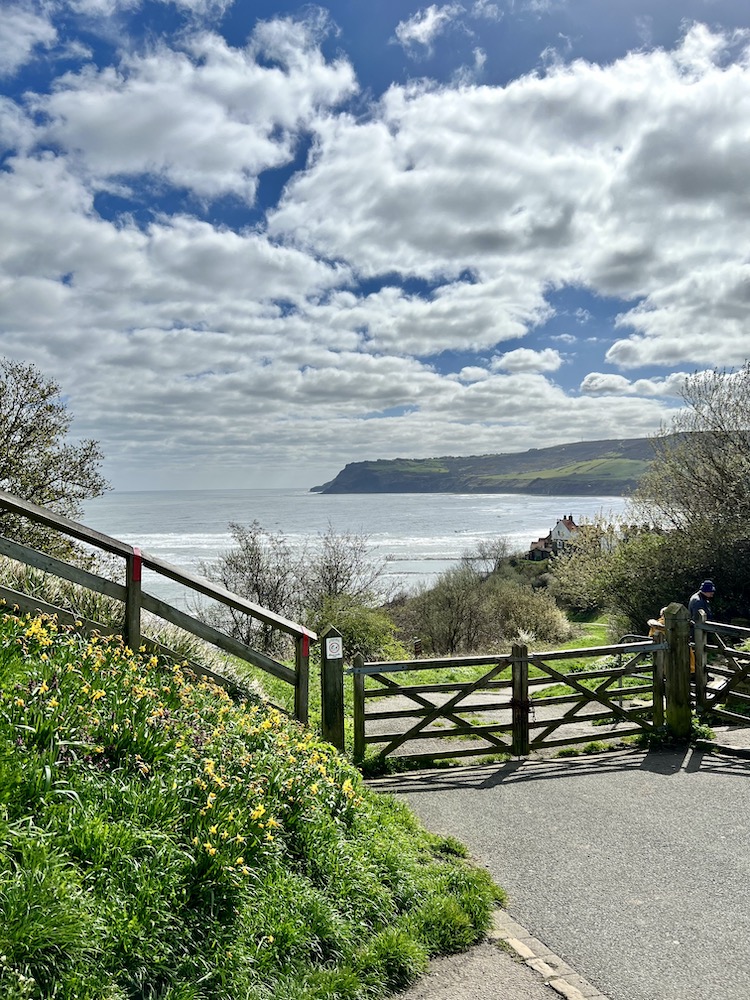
column 332, row 687
column 677, row 679
column 699, row 649
column 133, row 572
column 302, row 682
column 520, row 700
column 359, row 708
column 660, row 660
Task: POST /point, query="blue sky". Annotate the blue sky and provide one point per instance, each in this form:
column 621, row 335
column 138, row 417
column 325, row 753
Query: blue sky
column 254, row 242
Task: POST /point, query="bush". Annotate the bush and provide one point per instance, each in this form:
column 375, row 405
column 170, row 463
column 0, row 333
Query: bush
column 465, row 612
column 159, row 840
column 636, row 577
column 518, row 609
column 365, row 630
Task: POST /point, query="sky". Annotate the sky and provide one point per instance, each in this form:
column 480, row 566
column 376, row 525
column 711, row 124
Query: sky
column 253, row 242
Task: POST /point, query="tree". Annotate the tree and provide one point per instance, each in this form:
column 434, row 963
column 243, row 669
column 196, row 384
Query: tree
column 699, row 484
column 332, row 580
column 340, row 564
column 491, row 555
column 262, row 568
column 694, row 507
column 700, row 478
column 630, row 576
column 466, row 610
column 37, row 461
column 448, row 614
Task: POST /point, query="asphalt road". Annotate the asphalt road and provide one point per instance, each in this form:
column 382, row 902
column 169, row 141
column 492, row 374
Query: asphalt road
column 634, row 867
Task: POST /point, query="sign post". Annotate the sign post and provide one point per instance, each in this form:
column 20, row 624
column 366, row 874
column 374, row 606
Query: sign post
column 332, row 687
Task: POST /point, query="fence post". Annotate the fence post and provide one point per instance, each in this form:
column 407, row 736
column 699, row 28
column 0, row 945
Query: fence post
column 133, row 573
column 520, row 700
column 677, row 679
column 359, row 708
column 302, row 686
column 699, row 651
column 332, row 687
column 658, row 683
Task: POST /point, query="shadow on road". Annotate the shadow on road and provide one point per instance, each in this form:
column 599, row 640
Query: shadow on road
column 658, row 761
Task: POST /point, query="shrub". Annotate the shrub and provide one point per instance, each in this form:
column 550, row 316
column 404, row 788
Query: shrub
column 517, row 609
column 159, row 840
column 369, row 631
column 465, row 612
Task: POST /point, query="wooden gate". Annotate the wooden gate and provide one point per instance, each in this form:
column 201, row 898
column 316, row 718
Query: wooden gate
column 716, row 653
column 621, row 697
column 512, row 703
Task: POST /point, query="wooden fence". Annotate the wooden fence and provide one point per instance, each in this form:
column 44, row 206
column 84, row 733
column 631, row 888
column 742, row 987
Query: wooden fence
column 506, row 709
column 523, row 701
column 504, row 706
column 716, row 653
column 135, row 600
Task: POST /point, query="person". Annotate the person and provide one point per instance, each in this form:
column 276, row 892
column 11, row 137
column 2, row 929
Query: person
column 656, row 626
column 701, row 601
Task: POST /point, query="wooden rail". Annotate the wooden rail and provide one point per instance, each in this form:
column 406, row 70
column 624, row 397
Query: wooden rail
column 505, row 709
column 490, row 713
column 136, row 600
column 730, row 679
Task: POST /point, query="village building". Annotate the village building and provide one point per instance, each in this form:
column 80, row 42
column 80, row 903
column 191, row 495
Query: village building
column 556, row 541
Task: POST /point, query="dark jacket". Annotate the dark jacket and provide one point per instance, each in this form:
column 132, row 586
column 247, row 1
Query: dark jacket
column 699, row 602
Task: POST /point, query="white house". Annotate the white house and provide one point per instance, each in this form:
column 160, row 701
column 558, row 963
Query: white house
column 563, row 533
column 556, row 541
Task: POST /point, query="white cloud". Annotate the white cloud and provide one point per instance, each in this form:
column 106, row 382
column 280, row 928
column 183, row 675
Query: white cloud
column 103, row 8
column 525, row 360
column 466, row 75
column 487, row 10
column 181, row 339
column 424, row 27
column 22, row 30
column 600, row 177
column 600, row 384
column 209, row 117
column 542, row 6
column 702, row 313
column 203, row 8
column 458, row 314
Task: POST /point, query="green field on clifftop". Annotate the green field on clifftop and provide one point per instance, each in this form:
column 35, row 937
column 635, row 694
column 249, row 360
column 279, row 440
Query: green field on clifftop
column 611, row 467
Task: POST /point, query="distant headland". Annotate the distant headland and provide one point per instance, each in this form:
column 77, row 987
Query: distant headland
column 584, row 468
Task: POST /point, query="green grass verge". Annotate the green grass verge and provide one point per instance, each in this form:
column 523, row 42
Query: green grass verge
column 158, row 840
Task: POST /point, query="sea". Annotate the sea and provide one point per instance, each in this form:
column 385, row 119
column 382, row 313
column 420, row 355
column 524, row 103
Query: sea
column 416, row 536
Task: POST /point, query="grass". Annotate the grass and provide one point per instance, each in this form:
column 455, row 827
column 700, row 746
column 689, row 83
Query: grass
column 159, row 841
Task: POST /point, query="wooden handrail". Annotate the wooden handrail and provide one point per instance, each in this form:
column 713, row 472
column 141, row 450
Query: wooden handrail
column 738, row 631
column 96, row 538
column 136, row 600
column 216, row 591
column 64, row 524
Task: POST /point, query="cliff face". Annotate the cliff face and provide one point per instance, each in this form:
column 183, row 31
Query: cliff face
column 596, row 468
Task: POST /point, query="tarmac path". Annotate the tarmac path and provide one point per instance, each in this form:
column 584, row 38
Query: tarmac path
column 632, row 866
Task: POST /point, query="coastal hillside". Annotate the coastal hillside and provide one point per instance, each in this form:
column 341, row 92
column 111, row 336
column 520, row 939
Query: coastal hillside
column 593, row 468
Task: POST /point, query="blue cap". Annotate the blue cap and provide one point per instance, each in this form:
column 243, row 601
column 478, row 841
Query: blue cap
column 707, row 587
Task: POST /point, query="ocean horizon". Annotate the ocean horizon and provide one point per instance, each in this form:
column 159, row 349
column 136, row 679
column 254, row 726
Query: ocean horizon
column 416, row 535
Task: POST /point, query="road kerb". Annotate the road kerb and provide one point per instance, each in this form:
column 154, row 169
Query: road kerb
column 537, row 956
